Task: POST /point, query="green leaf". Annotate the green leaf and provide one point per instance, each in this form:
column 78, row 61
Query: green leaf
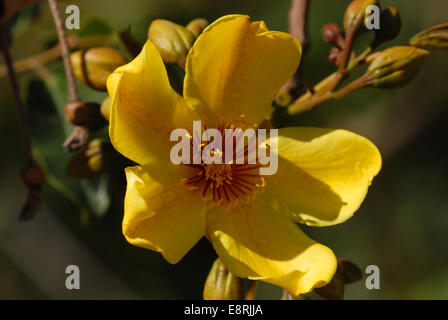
column 95, row 27
column 97, row 194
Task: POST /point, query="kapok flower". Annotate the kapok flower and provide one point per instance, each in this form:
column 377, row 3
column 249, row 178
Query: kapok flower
column 234, row 68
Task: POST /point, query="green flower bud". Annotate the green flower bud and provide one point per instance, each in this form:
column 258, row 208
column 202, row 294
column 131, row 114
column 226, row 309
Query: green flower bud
column 221, row 284
column 91, row 161
column 355, row 14
column 335, row 289
column 105, row 108
column 390, row 25
column 196, row 26
column 433, row 38
column 396, row 66
column 93, row 66
column 172, row 40
column 351, row 272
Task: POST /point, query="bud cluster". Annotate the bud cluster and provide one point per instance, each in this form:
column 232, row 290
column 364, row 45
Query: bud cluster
column 173, row 40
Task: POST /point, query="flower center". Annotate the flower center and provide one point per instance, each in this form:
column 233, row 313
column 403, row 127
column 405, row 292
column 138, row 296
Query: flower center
column 226, row 184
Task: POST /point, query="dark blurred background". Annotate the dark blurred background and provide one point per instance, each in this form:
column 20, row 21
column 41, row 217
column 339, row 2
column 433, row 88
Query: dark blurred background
column 401, row 227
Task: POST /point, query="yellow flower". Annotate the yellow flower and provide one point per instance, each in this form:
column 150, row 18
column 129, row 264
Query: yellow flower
column 235, row 68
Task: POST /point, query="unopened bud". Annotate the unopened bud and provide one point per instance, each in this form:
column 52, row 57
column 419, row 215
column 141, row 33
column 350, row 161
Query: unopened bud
column 335, row 289
column 390, row 25
column 93, row 66
column 331, row 33
column 105, row 108
column 91, row 161
column 33, row 176
column 196, row 26
column 350, row 271
column 433, row 38
column 84, row 114
column 221, row 284
column 355, row 14
column 172, row 40
column 334, row 55
column 396, row 66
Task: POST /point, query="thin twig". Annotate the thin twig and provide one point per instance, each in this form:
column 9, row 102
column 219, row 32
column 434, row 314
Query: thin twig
column 298, row 22
column 52, row 54
column 79, row 137
column 23, row 118
column 74, row 97
column 32, row 175
column 298, row 27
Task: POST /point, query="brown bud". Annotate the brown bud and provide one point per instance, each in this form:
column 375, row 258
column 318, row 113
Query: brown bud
column 350, row 271
column 221, row 284
column 432, row 38
column 334, row 55
column 172, row 40
column 84, row 114
column 390, row 25
column 76, row 112
column 33, row 176
column 331, row 33
column 93, row 66
column 105, row 108
column 335, row 289
column 196, row 26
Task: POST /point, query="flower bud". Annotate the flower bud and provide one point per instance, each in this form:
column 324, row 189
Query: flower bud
column 91, row 161
column 335, row 289
column 172, row 40
column 84, row 114
column 350, row 271
column 105, row 108
column 390, row 25
column 196, row 26
column 93, row 66
column 331, row 33
column 433, row 38
column 396, row 66
column 33, row 176
column 334, row 55
column 221, row 284
column 355, row 14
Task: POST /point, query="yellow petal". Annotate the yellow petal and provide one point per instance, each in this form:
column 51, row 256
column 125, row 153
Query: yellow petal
column 256, row 243
column 159, row 214
column 145, row 109
column 323, row 175
column 237, row 67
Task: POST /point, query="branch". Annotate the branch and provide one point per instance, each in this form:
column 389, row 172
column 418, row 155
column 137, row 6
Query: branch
column 80, row 134
column 74, row 97
column 298, row 22
column 32, row 176
column 298, row 27
column 16, row 95
column 36, row 61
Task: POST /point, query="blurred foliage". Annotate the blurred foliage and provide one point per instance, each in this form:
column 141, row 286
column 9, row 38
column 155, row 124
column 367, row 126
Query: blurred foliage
column 401, row 227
